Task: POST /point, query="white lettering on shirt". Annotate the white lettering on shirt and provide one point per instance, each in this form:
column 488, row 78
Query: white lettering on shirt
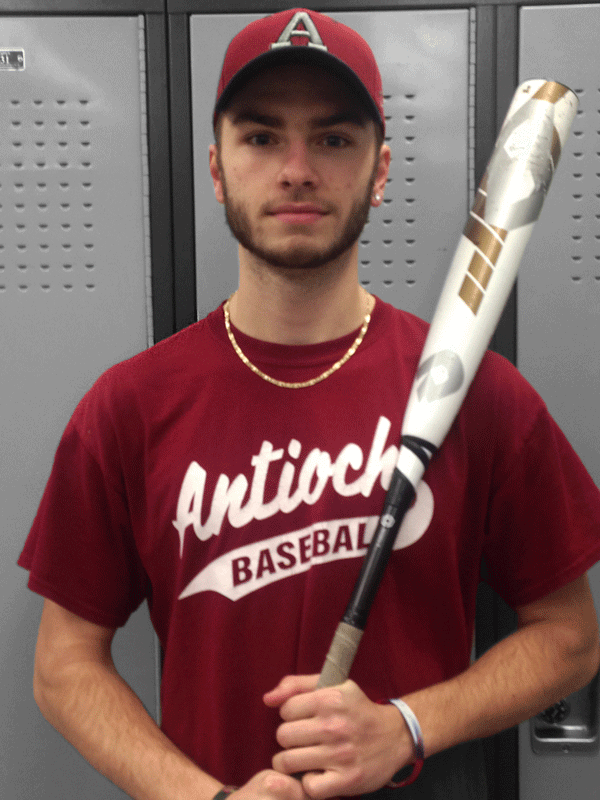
column 240, row 501
column 313, row 476
column 245, row 569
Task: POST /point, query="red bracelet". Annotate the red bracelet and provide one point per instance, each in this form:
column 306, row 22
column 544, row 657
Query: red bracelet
column 415, row 731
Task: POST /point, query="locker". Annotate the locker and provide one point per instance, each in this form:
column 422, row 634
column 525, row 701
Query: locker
column 557, row 345
column 74, row 299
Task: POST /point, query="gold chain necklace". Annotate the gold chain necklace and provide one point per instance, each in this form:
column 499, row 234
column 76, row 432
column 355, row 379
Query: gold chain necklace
column 305, row 384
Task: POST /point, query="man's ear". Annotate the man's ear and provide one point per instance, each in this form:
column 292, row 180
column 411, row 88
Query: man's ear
column 381, row 175
column 215, row 172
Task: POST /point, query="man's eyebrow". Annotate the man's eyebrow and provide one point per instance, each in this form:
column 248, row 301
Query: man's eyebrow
column 250, row 115
column 354, row 117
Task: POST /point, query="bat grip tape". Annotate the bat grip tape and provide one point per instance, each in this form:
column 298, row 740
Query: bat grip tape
column 338, row 660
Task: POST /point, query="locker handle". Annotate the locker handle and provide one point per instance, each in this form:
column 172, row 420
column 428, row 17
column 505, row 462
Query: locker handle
column 569, row 727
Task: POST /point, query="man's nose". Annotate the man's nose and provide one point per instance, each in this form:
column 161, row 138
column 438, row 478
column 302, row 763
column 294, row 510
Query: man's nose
column 298, row 167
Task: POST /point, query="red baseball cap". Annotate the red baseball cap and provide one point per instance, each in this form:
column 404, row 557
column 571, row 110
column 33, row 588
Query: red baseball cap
column 300, row 35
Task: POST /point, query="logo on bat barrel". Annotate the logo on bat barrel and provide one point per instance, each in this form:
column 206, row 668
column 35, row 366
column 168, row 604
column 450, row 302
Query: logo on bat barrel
column 442, row 374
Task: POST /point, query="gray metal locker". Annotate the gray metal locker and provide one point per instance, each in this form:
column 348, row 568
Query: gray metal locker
column 559, row 333
column 74, row 299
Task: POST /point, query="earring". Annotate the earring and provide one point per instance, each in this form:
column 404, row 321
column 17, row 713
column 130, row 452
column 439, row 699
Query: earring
column 377, row 197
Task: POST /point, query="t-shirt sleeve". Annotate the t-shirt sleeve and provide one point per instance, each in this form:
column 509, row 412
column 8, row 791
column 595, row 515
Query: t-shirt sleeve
column 544, row 516
column 80, row 551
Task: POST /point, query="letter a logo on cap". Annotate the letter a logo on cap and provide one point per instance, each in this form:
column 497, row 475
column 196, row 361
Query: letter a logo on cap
column 308, row 32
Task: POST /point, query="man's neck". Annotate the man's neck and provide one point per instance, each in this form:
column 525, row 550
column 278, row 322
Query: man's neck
column 294, row 306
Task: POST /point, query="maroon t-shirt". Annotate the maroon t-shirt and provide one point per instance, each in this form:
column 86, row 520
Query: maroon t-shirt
column 240, row 509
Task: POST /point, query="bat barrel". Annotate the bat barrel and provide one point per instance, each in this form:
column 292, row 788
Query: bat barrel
column 507, row 204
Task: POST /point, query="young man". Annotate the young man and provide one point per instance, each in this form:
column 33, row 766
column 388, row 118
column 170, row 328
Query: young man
column 232, row 475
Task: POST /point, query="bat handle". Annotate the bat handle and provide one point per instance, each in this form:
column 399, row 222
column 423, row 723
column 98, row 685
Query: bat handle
column 346, row 639
column 338, row 660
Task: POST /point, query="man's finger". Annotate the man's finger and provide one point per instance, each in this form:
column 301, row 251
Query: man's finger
column 325, row 785
column 288, row 687
column 299, row 733
column 299, row 760
column 273, row 785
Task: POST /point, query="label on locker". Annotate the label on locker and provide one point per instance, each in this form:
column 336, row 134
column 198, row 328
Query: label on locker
column 12, row 59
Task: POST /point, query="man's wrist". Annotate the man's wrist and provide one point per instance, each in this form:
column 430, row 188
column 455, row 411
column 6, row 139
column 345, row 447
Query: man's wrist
column 412, row 723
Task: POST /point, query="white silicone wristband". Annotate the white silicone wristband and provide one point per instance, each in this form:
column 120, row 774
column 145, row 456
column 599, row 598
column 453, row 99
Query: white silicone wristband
column 413, row 726
column 417, row 736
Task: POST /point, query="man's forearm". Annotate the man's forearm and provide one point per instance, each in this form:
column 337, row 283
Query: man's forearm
column 515, row 679
column 94, row 709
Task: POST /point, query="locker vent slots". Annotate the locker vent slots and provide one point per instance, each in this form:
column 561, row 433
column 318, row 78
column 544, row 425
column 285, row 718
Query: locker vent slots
column 46, row 195
column 585, row 191
column 388, row 245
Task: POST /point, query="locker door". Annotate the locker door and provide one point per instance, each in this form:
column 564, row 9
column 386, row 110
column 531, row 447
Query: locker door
column 559, row 332
column 74, row 268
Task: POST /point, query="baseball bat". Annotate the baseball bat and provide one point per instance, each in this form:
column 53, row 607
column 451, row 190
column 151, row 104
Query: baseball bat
column 506, row 206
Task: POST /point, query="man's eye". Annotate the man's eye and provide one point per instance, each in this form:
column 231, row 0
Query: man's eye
column 260, row 139
column 335, row 141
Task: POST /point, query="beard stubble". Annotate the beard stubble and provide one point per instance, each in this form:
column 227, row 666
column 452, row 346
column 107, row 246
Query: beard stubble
column 301, row 256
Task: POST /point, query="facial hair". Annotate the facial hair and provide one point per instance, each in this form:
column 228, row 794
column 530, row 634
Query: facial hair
column 304, row 256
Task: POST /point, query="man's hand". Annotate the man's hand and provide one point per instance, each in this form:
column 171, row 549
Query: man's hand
column 270, row 785
column 345, row 743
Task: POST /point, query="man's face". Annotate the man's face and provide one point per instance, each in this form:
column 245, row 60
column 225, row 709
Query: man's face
column 296, row 167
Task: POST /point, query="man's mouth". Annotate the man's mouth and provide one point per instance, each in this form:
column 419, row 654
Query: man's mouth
column 298, row 213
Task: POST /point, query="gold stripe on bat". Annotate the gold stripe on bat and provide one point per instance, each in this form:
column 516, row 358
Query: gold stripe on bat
column 480, row 270
column 501, row 232
column 550, row 91
column 471, row 294
column 483, row 238
column 555, row 147
column 479, row 203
